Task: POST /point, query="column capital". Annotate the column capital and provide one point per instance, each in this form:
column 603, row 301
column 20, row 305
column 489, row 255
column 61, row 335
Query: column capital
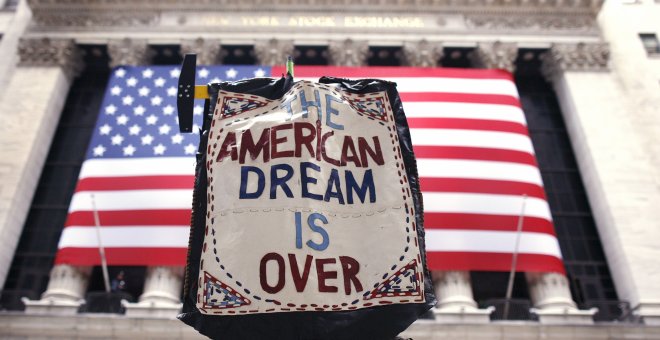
column 207, row 50
column 51, row 52
column 273, row 52
column 422, row 53
column 348, row 52
column 575, row 57
column 496, row 54
column 129, row 52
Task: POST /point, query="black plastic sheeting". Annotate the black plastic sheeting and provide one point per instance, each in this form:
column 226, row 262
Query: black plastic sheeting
column 379, row 322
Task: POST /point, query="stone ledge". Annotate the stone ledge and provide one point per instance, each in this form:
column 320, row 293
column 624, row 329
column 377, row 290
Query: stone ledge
column 112, row 326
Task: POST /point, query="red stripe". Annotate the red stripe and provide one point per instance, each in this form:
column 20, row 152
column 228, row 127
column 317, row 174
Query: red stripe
column 485, row 222
column 498, row 99
column 392, row 72
column 483, row 186
column 135, row 183
column 467, row 124
column 123, row 256
column 500, row 262
column 482, row 154
column 130, row 218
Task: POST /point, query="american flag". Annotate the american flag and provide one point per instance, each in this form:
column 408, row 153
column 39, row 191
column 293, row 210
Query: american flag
column 475, row 161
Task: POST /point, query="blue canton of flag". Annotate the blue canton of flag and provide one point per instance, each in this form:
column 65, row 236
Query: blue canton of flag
column 138, row 117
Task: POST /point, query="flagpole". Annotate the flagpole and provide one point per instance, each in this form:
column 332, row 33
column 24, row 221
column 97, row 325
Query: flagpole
column 104, row 263
column 514, row 258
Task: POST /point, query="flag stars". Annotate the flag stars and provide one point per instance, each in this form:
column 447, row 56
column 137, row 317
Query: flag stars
column 231, row 73
column 203, row 73
column 259, row 73
column 115, row 90
column 129, row 150
column 99, row 150
column 168, row 110
column 174, row 73
column 110, row 109
column 117, row 139
column 177, row 139
column 144, row 91
column 190, row 149
column 152, row 119
column 157, row 100
column 139, row 110
column 198, row 110
column 131, row 82
column 134, row 130
column 105, row 129
column 164, row 129
column 159, row 149
column 122, row 120
column 159, row 82
column 147, row 139
column 120, row 73
column 127, row 100
column 171, row 91
column 147, row 73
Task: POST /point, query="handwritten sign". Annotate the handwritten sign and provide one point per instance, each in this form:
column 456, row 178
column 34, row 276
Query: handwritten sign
column 308, row 205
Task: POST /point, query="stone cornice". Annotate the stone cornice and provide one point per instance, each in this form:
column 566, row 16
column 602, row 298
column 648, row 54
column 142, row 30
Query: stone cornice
column 375, row 6
column 46, row 52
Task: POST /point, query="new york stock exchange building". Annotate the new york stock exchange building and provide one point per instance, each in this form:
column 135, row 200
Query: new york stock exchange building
column 587, row 78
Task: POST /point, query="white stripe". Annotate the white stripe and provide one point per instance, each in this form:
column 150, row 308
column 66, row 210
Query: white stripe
column 501, row 171
column 114, row 167
column 506, row 113
column 449, row 85
column 491, row 242
column 113, row 237
column 489, row 204
column 132, row 200
column 472, row 138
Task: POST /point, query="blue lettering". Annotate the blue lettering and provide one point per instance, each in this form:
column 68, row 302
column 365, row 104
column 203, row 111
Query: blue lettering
column 324, row 234
column 276, row 181
column 245, row 174
column 329, row 112
column 305, row 180
column 360, row 190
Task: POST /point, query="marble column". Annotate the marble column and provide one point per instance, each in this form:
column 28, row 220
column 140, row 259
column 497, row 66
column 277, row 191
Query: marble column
column 422, row 53
column 65, row 293
column 30, row 107
column 129, row 51
column 161, row 297
column 496, row 55
column 348, row 53
column 208, row 50
column 273, row 52
column 455, row 300
column 552, row 300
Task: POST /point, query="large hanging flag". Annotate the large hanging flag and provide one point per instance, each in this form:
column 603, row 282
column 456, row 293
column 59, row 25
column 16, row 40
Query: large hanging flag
column 474, row 155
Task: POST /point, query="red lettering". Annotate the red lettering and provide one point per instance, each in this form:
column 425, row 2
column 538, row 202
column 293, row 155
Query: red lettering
column 318, row 140
column 325, row 275
column 274, row 141
column 263, row 273
column 248, row 145
column 350, row 267
column 376, row 155
column 228, row 148
column 322, row 151
column 345, row 157
column 302, row 139
column 300, row 281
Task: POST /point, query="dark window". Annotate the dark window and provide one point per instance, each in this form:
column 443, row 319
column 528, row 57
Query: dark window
column 580, row 244
column 650, row 42
column 456, row 57
column 33, row 260
column 238, row 55
column 384, row 56
column 310, row 55
column 166, row 55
